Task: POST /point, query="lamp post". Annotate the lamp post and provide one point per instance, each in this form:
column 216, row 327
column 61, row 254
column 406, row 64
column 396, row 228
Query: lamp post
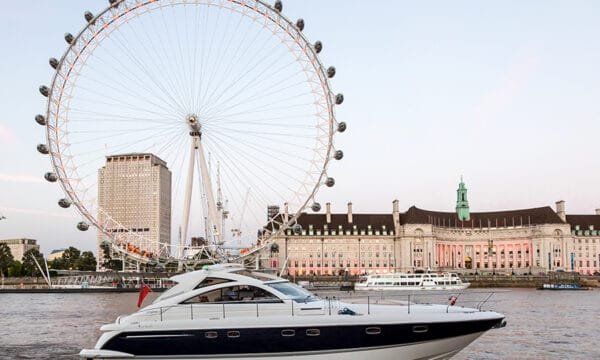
column 490, row 249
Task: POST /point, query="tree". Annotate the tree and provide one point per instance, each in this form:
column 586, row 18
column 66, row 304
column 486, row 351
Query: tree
column 108, row 262
column 16, row 269
column 86, row 262
column 70, row 257
column 6, row 259
column 29, row 267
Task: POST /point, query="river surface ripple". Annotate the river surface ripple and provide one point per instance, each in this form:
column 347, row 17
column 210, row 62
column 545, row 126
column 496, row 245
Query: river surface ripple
column 541, row 324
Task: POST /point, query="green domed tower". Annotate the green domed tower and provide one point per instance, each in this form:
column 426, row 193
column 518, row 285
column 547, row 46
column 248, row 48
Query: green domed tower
column 462, row 204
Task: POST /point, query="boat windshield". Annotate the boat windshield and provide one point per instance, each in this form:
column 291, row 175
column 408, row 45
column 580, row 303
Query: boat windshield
column 294, row 291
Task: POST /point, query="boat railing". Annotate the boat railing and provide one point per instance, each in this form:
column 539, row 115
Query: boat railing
column 330, row 305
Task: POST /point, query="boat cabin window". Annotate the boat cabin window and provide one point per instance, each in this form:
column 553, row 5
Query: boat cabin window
column 293, row 291
column 234, row 294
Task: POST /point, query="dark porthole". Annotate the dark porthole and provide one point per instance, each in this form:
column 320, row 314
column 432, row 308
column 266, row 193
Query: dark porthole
column 233, row 334
column 211, row 334
column 313, row 332
column 420, row 329
column 288, row 332
column 373, row 330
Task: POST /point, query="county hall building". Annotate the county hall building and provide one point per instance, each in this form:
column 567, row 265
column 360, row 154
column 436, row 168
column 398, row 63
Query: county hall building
column 516, row 241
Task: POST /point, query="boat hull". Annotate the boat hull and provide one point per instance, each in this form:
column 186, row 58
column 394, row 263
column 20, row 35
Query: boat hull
column 433, row 340
column 436, row 349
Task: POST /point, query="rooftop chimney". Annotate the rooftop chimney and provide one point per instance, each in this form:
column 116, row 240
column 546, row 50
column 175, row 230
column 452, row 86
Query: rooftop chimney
column 350, row 213
column 597, row 211
column 328, row 212
column 560, row 210
column 396, row 212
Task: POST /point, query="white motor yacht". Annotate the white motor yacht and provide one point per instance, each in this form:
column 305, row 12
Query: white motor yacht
column 228, row 312
column 413, row 282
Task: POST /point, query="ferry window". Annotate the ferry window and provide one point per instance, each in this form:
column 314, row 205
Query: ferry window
column 211, row 334
column 288, row 332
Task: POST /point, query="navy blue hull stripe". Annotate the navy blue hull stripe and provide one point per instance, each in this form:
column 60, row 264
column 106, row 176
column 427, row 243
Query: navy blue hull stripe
column 270, row 340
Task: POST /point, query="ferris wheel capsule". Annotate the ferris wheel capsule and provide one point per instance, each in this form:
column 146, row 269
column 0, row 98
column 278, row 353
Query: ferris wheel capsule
column 278, row 6
column 64, row 203
column 50, row 177
column 318, row 46
column 42, row 149
column 316, row 207
column 330, row 182
column 53, row 63
column 88, row 16
column 338, row 155
column 44, row 90
column 339, row 99
column 331, row 72
column 342, row 127
column 300, row 24
column 297, row 229
column 40, row 119
column 69, row 38
column 83, row 226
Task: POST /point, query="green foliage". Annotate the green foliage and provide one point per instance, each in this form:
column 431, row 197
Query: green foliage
column 70, row 258
column 6, row 259
column 29, row 267
column 108, row 262
column 15, row 269
column 86, row 262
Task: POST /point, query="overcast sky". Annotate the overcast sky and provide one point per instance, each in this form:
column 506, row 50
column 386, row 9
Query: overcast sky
column 505, row 93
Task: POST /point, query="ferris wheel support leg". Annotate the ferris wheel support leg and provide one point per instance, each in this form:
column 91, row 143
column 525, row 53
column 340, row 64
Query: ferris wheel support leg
column 214, row 219
column 186, row 205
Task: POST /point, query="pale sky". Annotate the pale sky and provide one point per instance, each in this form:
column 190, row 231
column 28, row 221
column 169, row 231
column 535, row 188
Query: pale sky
column 504, row 93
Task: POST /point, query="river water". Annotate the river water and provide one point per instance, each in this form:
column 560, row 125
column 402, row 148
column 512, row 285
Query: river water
column 541, row 324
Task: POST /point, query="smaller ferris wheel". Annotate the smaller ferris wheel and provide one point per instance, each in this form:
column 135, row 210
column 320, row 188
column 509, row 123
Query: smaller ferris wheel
column 227, row 96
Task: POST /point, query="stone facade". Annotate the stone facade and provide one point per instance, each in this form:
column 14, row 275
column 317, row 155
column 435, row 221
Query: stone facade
column 518, row 241
column 135, row 190
column 18, row 247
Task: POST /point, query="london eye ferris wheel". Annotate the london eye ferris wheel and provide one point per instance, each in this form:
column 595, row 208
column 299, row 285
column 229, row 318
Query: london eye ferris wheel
column 228, row 97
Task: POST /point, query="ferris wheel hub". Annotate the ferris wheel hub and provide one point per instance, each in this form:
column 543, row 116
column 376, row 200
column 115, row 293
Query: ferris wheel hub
column 194, row 124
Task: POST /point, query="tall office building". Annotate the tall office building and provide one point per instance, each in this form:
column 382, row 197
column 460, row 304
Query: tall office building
column 135, row 191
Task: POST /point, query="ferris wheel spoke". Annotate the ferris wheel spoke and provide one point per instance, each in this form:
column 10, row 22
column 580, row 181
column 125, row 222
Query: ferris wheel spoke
column 255, row 149
column 266, row 122
column 238, row 75
column 218, row 62
column 261, row 140
column 261, row 97
column 121, row 147
column 226, row 160
column 241, row 154
column 244, row 74
column 115, row 101
column 162, row 104
column 167, row 76
column 142, row 66
column 235, row 58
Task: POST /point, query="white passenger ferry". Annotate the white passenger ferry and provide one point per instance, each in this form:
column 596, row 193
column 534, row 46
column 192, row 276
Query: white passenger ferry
column 404, row 281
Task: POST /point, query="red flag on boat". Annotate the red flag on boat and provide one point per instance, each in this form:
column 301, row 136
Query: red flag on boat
column 452, row 300
column 144, row 290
